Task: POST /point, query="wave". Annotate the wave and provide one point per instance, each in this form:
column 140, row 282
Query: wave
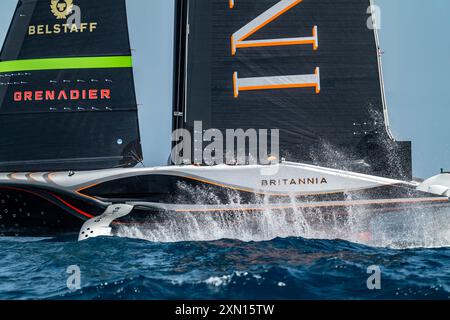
column 282, row 268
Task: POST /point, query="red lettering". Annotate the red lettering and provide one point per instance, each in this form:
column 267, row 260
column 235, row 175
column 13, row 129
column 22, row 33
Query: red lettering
column 74, row 94
column 105, row 94
column 38, row 95
column 28, row 96
column 62, row 95
column 17, row 96
column 49, row 95
column 93, row 94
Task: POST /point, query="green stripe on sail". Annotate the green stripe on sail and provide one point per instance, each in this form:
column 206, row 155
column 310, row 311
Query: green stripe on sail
column 66, row 63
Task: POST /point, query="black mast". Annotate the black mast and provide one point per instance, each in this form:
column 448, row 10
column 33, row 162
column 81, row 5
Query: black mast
column 180, row 47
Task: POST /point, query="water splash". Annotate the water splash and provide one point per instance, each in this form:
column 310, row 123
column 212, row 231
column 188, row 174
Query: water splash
column 419, row 228
column 411, row 228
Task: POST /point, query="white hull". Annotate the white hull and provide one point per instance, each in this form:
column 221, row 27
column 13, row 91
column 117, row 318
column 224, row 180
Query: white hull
column 87, row 195
column 282, row 179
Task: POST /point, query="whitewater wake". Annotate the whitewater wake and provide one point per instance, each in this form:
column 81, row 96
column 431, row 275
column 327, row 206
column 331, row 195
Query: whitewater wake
column 418, row 228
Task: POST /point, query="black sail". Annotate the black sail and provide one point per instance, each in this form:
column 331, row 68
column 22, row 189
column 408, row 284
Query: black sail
column 67, row 96
column 309, row 68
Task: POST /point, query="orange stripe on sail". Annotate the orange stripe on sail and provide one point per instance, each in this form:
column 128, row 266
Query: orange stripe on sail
column 280, row 86
column 265, row 23
column 274, row 43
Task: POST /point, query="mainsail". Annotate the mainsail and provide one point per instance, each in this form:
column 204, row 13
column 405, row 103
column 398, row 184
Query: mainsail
column 67, row 97
column 310, row 68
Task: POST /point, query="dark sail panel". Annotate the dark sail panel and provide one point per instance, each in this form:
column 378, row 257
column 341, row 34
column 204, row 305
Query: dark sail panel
column 67, row 28
column 309, row 68
column 67, row 90
column 67, row 96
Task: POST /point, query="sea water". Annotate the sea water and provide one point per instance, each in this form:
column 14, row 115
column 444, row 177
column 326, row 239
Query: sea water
column 270, row 256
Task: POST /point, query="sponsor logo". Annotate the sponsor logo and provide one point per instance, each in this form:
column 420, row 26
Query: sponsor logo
column 62, row 95
column 61, row 9
column 294, row 182
column 61, row 28
column 241, row 40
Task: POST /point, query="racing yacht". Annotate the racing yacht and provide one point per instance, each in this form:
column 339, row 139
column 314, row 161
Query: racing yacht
column 70, row 145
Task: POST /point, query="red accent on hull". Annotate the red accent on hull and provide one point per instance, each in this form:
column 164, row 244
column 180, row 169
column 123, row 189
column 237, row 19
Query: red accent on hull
column 87, row 215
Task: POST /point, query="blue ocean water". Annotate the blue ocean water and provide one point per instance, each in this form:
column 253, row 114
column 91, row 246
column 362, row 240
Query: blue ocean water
column 282, row 268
